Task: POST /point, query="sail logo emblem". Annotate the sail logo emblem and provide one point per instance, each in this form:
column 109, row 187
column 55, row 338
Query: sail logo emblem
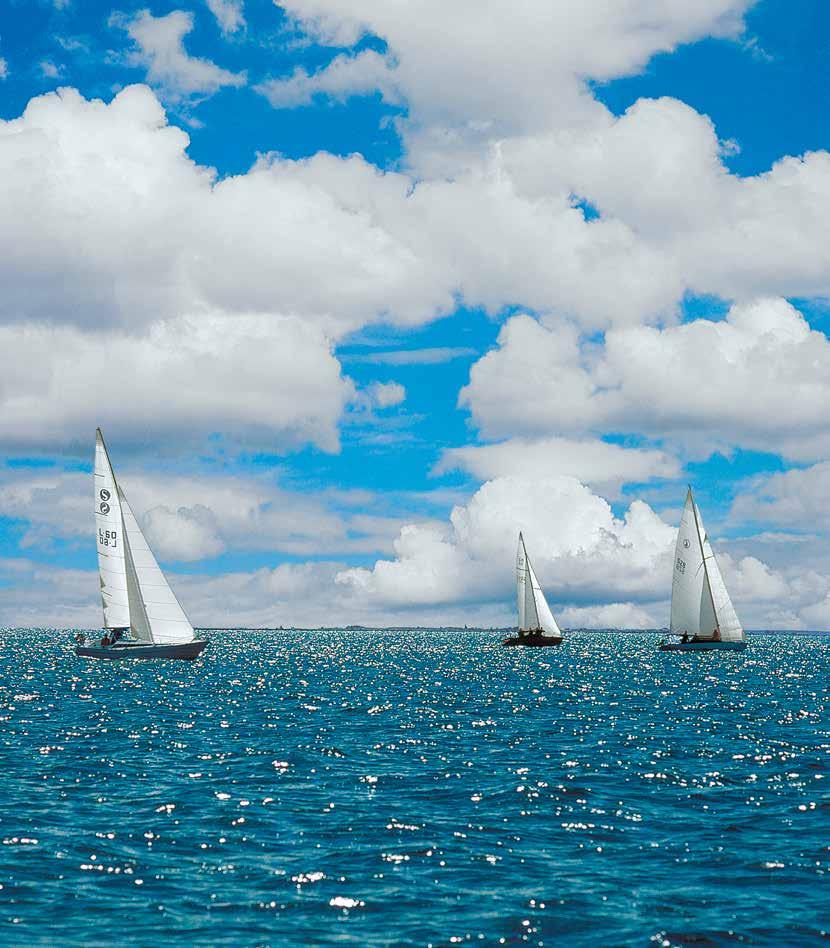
column 104, row 508
column 686, row 544
column 104, row 494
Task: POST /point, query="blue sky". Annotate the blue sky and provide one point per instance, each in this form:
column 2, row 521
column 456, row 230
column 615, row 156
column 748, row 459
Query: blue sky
column 416, row 280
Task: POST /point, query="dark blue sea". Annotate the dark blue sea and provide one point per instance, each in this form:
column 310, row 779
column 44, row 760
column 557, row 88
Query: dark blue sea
column 424, row 788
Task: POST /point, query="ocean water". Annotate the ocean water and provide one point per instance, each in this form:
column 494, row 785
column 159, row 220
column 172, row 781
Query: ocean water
column 352, row 788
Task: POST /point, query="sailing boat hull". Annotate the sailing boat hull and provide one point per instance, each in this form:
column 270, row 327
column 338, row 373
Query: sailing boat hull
column 702, row 646
column 533, row 641
column 186, row 651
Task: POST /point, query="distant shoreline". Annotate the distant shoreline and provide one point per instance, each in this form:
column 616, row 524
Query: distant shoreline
column 462, row 629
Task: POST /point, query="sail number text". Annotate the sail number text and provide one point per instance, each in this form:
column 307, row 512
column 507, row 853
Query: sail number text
column 108, row 538
column 680, row 565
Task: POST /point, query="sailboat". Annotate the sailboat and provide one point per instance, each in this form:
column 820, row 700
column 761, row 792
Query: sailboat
column 142, row 616
column 536, row 623
column 701, row 610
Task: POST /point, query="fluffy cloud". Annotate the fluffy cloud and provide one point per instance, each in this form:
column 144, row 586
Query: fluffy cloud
column 345, row 76
column 796, row 499
column 517, row 150
column 37, row 595
column 161, row 236
column 714, row 232
column 160, row 49
column 106, row 220
column 199, row 516
column 49, row 70
column 229, row 14
column 594, row 462
column 190, row 518
column 580, row 550
column 50, row 505
column 705, row 384
column 4, row 69
column 614, row 615
column 264, row 380
column 184, row 534
column 386, row 394
column 470, row 78
column 597, row 570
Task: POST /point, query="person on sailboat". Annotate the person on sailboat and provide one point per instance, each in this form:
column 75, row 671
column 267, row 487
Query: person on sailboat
column 685, row 637
column 716, row 634
column 105, row 641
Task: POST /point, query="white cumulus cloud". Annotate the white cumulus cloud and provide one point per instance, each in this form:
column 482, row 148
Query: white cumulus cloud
column 471, row 77
column 704, row 384
column 256, row 379
column 592, row 461
column 230, row 14
column 579, row 549
column 160, row 49
column 345, row 76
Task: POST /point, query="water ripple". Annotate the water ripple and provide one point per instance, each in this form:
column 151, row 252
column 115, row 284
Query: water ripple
column 415, row 789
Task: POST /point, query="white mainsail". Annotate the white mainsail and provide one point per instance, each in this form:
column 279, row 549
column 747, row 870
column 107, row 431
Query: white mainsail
column 145, row 602
column 700, row 603
column 534, row 612
column 109, row 526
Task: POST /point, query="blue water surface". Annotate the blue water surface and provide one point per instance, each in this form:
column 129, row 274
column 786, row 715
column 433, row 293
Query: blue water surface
column 424, row 788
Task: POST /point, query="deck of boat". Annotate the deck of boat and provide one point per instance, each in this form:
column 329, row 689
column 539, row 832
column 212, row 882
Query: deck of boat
column 186, row 651
column 533, row 641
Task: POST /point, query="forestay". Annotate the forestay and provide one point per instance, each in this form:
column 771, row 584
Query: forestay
column 534, row 612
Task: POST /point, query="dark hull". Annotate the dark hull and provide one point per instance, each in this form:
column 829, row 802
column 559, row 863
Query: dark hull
column 702, row 646
column 185, row 652
column 533, row 641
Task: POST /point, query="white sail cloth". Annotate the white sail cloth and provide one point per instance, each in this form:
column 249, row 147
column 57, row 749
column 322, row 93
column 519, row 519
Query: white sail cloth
column 134, row 591
column 534, row 612
column 700, row 603
column 110, row 539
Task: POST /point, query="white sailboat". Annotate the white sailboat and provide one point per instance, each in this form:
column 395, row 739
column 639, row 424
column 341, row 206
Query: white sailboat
column 536, row 623
column 701, row 610
column 142, row 617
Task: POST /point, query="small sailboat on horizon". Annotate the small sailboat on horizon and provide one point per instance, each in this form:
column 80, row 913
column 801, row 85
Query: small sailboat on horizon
column 537, row 627
column 142, row 616
column 701, row 610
